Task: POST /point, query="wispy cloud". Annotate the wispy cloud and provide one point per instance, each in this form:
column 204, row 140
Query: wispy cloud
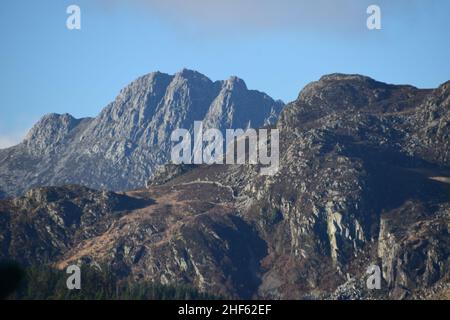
column 9, row 140
column 263, row 15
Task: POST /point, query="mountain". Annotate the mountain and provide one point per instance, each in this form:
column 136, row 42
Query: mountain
column 121, row 147
column 364, row 180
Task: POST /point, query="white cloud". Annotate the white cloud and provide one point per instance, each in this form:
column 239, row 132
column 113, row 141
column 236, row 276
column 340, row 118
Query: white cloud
column 262, row 15
column 9, row 140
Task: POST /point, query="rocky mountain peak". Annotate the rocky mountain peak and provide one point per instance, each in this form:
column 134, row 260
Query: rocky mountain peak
column 190, row 74
column 120, row 148
column 363, row 181
column 331, row 87
column 51, row 130
column 346, row 77
column 146, row 83
column 350, row 94
column 190, row 80
column 51, row 122
column 235, row 83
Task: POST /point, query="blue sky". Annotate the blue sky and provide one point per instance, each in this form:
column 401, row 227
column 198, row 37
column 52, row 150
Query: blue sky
column 276, row 46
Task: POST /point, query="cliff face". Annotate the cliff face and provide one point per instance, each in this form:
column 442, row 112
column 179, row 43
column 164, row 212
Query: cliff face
column 359, row 153
column 415, row 247
column 39, row 226
column 364, row 179
column 121, row 147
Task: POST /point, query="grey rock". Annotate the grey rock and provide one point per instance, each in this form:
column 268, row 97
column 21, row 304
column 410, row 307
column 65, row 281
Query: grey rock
column 120, row 148
column 364, row 179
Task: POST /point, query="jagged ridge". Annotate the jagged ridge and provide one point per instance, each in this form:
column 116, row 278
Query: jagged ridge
column 120, row 148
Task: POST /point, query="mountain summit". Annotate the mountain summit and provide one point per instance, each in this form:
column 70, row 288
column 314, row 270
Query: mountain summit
column 120, row 148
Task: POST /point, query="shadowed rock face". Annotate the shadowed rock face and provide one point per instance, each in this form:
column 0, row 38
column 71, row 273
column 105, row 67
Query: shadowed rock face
column 363, row 180
column 190, row 233
column 45, row 222
column 120, row 148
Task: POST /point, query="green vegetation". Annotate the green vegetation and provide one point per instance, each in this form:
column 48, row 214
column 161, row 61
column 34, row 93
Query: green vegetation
column 11, row 275
column 45, row 283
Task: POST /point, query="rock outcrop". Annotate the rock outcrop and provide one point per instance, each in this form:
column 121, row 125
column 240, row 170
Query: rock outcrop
column 121, row 147
column 363, row 181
